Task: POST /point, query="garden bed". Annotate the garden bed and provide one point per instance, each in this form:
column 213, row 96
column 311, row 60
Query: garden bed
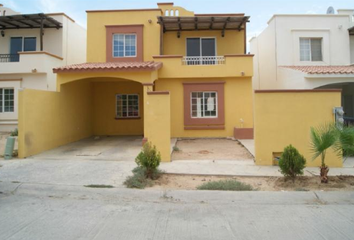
column 304, row 183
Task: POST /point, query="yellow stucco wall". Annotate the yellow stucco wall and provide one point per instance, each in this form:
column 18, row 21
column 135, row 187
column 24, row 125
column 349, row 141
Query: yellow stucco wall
column 231, row 43
column 240, row 66
column 285, row 118
column 104, row 103
column 96, row 31
column 51, row 119
column 238, row 104
column 158, row 123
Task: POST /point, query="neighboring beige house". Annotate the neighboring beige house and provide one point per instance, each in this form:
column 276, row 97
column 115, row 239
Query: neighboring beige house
column 307, row 51
column 27, row 59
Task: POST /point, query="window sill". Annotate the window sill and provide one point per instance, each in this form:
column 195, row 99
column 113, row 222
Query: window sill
column 127, row 118
column 219, row 127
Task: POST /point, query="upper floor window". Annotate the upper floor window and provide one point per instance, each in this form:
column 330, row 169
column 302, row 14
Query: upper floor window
column 311, row 49
column 6, row 100
column 124, row 45
column 201, row 51
column 19, row 44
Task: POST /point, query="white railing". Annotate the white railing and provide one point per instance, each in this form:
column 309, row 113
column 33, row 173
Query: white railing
column 203, row 60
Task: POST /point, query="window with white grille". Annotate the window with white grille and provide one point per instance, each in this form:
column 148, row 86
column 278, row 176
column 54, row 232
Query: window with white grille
column 124, row 45
column 204, row 105
column 7, row 100
column 311, row 49
column 127, row 105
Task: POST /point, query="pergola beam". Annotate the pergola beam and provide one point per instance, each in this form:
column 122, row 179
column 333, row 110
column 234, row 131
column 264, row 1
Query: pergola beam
column 211, row 23
column 28, row 21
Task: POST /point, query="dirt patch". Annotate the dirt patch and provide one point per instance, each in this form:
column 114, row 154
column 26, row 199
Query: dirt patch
column 191, row 182
column 210, row 149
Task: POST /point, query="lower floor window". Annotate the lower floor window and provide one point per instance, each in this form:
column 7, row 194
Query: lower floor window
column 127, row 105
column 7, row 100
column 204, row 105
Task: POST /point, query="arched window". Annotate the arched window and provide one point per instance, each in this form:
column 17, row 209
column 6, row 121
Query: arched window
column 171, row 13
column 176, row 13
column 167, row 12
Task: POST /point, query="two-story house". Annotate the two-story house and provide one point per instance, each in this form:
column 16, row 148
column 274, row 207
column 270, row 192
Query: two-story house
column 31, row 45
column 156, row 73
column 307, row 51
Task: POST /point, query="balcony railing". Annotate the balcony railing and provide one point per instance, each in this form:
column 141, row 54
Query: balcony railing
column 348, row 121
column 203, row 60
column 9, row 57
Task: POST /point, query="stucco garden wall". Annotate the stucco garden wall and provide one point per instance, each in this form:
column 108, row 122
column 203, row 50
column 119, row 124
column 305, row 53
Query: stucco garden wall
column 285, row 117
column 51, row 119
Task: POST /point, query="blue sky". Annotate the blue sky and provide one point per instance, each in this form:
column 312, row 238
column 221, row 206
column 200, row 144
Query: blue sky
column 259, row 10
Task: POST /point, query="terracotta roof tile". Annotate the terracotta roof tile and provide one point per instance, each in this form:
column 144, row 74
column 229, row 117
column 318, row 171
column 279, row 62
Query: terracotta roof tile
column 324, row 69
column 110, row 66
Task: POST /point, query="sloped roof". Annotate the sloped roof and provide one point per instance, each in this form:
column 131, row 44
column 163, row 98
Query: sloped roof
column 110, row 66
column 323, row 69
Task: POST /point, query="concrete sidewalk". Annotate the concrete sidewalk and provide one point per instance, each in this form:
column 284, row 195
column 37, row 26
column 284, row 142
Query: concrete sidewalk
column 242, row 168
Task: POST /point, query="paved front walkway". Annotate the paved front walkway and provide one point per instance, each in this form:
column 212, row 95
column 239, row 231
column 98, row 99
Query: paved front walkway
column 85, row 172
column 242, row 168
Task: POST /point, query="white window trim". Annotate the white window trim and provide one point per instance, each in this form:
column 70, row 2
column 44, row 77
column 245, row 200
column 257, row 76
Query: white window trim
column 3, row 99
column 216, row 105
column 136, row 47
column 23, row 42
column 133, row 94
column 310, row 38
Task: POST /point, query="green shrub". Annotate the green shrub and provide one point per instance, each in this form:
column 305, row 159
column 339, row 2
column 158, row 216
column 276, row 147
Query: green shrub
column 149, row 159
column 291, row 162
column 176, row 149
column 225, row 185
column 14, row 133
column 138, row 180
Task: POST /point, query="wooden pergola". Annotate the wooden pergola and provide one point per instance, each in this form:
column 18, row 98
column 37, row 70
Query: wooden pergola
column 200, row 23
column 351, row 31
column 29, row 21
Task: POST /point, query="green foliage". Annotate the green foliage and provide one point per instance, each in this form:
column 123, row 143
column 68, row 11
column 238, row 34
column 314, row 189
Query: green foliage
column 14, row 133
column 345, row 143
column 322, row 138
column 176, row 149
column 149, row 159
column 140, row 180
column 98, row 186
column 291, row 162
column 225, row 185
column 338, row 137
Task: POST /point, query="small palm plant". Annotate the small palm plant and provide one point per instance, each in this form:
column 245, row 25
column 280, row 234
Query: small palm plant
column 338, row 137
column 323, row 138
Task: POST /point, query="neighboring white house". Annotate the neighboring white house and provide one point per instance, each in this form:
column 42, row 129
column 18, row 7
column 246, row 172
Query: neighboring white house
column 307, row 51
column 27, row 59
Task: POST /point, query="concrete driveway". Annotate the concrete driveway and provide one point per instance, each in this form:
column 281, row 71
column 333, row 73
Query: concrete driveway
column 118, row 148
column 66, row 172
